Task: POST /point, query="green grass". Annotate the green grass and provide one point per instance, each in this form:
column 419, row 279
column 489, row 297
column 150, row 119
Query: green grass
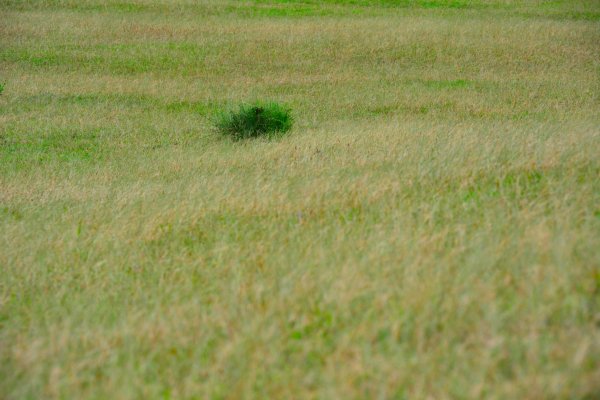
column 428, row 229
column 262, row 119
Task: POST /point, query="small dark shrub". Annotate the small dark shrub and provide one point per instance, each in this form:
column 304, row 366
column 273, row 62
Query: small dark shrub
column 1, row 87
column 254, row 120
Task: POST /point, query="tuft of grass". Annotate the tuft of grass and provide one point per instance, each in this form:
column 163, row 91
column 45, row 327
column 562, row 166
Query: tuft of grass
column 255, row 120
column 1, row 87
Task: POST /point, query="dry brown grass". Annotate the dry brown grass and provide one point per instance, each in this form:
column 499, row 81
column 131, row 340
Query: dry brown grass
column 429, row 229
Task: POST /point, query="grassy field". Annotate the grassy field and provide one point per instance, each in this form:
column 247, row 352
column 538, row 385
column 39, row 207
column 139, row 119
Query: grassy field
column 430, row 228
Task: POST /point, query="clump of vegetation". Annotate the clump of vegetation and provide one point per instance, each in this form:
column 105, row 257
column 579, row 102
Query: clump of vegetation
column 255, row 120
column 1, row 87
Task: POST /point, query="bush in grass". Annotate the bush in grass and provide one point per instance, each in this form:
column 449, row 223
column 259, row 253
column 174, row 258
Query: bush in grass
column 1, row 87
column 254, row 120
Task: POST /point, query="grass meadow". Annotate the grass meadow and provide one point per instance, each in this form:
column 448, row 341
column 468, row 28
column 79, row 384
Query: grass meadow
column 429, row 229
